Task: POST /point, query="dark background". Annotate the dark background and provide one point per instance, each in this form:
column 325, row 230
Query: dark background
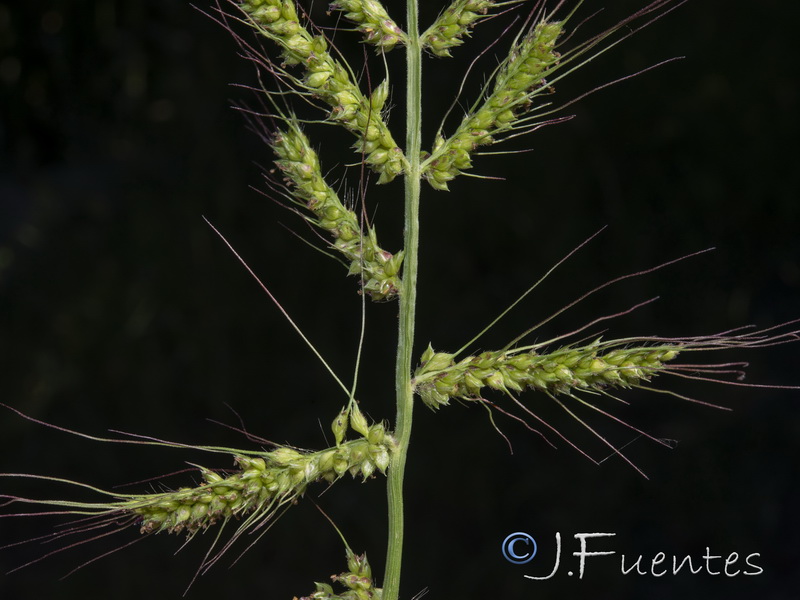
column 120, row 309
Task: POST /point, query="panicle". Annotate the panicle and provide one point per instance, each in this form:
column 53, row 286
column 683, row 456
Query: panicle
column 300, row 166
column 453, row 24
column 331, row 81
column 595, row 366
column 520, row 77
column 373, row 22
column 261, row 485
column 508, row 104
column 254, row 493
column 581, row 371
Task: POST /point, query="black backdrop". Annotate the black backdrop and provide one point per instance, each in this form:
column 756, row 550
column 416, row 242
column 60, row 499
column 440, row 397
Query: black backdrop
column 119, row 309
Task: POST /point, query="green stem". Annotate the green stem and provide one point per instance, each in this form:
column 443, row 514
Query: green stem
column 408, row 300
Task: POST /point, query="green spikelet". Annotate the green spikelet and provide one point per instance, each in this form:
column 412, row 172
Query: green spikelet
column 596, row 366
column 300, row 165
column 453, row 24
column 330, row 80
column 520, row 77
column 373, row 22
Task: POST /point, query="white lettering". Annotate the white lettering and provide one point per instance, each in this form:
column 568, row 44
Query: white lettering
column 758, row 569
column 678, row 567
column 558, row 560
column 657, row 560
column 732, row 558
column 709, row 557
column 636, row 565
column 583, row 553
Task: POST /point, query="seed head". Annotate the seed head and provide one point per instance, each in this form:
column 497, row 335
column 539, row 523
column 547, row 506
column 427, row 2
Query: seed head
column 300, row 165
column 253, row 493
column 518, row 80
column 260, row 486
column 373, row 22
column 453, row 24
column 330, row 81
column 595, row 367
column 508, row 104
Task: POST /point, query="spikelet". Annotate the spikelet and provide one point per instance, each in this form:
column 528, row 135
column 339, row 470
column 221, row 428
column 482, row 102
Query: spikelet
column 453, row 24
column 300, row 166
column 357, row 580
column 520, row 77
column 330, row 80
column 373, row 22
column 596, row 366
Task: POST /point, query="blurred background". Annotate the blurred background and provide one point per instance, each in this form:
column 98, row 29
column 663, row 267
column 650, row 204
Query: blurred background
column 120, row 309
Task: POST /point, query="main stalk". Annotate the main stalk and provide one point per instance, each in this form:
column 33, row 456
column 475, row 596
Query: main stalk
column 408, row 301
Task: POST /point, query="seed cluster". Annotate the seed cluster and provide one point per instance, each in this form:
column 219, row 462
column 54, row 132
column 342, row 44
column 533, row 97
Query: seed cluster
column 357, row 580
column 300, row 166
column 329, row 80
column 592, row 367
column 262, row 484
column 373, row 22
column 520, row 77
column 453, row 24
